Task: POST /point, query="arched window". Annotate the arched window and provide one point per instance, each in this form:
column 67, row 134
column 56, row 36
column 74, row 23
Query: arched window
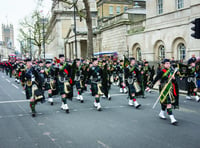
column 138, row 54
column 161, row 52
column 181, row 51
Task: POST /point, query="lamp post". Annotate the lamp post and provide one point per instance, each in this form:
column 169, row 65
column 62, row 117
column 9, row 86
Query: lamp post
column 30, row 44
column 75, row 29
column 43, row 36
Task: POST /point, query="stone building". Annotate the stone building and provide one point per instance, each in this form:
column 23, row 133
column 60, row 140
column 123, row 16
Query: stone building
column 112, row 35
column 162, row 30
column 61, row 30
column 110, row 8
column 8, row 36
column 167, row 31
column 7, row 43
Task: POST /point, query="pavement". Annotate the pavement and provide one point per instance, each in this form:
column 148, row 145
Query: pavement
column 117, row 125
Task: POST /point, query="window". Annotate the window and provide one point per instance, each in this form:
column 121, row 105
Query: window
column 138, row 54
column 118, row 9
column 160, row 6
column 161, row 52
column 111, row 10
column 125, row 8
column 181, row 51
column 179, row 4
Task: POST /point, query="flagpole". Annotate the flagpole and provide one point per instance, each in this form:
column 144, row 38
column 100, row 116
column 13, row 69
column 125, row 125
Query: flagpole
column 164, row 88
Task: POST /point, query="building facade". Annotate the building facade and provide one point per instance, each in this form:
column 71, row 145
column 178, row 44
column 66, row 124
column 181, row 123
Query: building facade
column 112, row 35
column 61, row 30
column 7, row 44
column 162, row 30
column 167, row 31
column 8, row 36
column 110, row 8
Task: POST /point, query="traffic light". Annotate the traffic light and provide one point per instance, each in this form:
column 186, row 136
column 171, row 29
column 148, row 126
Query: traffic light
column 196, row 28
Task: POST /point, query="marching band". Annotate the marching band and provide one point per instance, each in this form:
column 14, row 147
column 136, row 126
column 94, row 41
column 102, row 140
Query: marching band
column 60, row 76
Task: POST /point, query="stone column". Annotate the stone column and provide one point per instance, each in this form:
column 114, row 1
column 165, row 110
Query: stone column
column 78, row 49
column 70, row 50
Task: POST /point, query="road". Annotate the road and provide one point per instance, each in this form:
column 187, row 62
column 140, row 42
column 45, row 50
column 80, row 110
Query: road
column 116, row 126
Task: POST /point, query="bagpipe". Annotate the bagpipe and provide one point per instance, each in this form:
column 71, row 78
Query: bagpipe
column 37, row 93
column 36, row 84
column 132, row 80
column 183, row 69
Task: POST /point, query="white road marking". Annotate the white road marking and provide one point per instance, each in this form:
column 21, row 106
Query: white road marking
column 17, row 115
column 14, row 101
column 15, row 86
column 118, row 95
column 182, row 109
column 8, row 80
column 102, row 144
column 23, row 92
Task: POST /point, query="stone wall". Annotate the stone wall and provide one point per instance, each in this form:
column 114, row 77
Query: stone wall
column 169, row 29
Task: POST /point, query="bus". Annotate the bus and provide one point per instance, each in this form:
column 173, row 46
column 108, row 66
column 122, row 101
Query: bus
column 12, row 57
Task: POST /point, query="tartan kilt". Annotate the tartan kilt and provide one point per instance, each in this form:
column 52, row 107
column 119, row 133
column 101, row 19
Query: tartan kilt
column 120, row 81
column 61, row 88
column 131, row 89
column 94, row 89
column 78, row 85
column 167, row 101
column 28, row 91
column 47, row 86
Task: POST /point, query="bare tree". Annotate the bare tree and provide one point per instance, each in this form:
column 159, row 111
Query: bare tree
column 86, row 14
column 90, row 31
column 32, row 28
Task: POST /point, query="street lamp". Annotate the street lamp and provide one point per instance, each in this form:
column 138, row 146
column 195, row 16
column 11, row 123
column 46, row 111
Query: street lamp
column 43, row 35
column 30, row 44
column 75, row 29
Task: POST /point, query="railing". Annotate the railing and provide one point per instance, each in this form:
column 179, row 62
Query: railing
column 115, row 19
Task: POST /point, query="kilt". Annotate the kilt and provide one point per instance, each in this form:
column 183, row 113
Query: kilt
column 131, row 89
column 78, row 85
column 94, row 89
column 61, row 88
column 28, row 91
column 47, row 86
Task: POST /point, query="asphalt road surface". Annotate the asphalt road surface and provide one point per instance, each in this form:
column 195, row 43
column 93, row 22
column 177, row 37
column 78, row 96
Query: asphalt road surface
column 116, row 126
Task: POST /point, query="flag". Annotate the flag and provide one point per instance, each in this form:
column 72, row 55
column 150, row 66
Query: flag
column 165, row 92
column 126, row 61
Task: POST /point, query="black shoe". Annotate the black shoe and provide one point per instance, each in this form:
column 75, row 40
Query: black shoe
column 51, row 103
column 67, row 111
column 138, row 106
column 82, row 101
column 99, row 109
column 33, row 115
column 175, row 123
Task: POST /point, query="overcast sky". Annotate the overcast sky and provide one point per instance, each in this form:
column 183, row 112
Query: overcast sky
column 11, row 11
